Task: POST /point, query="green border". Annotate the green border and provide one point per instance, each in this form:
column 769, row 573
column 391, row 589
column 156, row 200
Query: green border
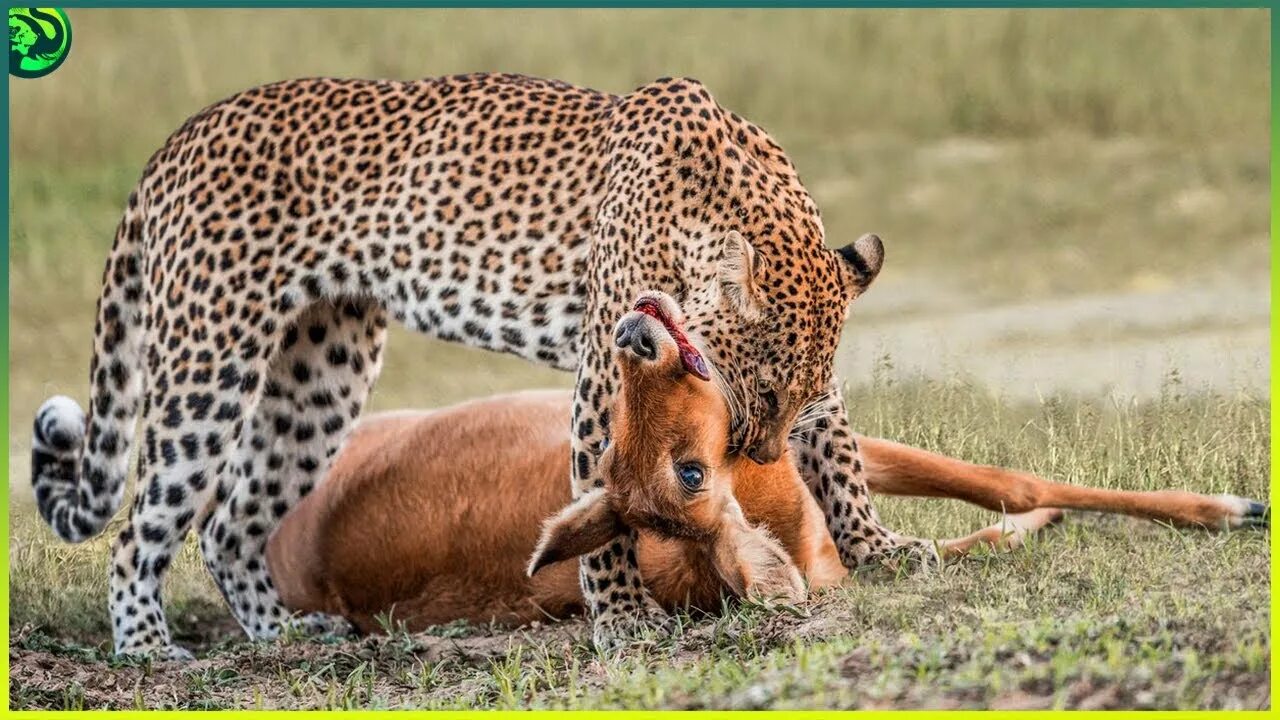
column 674, row 4
column 1275, row 327
column 1275, row 267
column 4, row 393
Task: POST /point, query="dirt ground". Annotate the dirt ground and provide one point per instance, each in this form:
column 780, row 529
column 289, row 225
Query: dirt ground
column 456, row 666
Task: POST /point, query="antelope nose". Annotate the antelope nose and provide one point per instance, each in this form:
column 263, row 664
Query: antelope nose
column 634, row 335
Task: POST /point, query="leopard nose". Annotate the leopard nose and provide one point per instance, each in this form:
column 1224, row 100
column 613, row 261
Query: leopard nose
column 765, row 452
column 635, row 335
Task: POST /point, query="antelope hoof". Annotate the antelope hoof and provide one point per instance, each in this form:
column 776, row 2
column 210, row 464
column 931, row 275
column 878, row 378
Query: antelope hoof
column 1258, row 515
column 1246, row 513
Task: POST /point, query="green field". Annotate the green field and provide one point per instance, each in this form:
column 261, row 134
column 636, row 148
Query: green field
column 1097, row 612
column 1004, row 156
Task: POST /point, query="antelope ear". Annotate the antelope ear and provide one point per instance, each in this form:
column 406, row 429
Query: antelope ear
column 863, row 257
column 738, row 275
column 753, row 564
column 582, row 526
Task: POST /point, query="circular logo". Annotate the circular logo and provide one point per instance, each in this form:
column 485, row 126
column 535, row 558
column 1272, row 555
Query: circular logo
column 39, row 40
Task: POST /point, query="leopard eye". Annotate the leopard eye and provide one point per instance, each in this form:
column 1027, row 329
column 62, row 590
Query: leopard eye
column 691, row 476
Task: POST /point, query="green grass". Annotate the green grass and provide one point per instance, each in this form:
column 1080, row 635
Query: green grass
column 1098, row 611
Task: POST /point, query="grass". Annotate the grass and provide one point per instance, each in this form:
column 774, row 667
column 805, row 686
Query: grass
column 1099, row 611
column 1003, row 155
column 133, row 76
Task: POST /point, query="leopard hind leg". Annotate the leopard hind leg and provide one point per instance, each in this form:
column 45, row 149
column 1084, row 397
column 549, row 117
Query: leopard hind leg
column 315, row 390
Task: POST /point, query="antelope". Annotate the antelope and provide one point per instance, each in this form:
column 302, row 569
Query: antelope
column 461, row 513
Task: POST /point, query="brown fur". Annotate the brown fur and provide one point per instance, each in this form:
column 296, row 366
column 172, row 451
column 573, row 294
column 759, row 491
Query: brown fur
column 416, row 519
column 418, row 513
column 895, row 469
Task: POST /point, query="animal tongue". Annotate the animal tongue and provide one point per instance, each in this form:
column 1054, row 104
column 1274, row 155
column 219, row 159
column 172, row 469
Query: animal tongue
column 689, row 355
column 692, row 360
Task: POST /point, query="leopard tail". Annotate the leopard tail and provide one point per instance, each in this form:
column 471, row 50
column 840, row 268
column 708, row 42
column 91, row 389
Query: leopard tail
column 79, row 465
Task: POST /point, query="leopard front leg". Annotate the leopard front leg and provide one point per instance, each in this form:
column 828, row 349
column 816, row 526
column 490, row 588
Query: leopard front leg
column 829, row 461
column 614, row 595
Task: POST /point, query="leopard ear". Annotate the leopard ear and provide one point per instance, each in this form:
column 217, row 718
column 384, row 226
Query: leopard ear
column 864, row 258
column 737, row 275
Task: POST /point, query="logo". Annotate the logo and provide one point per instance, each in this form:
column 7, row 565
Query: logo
column 39, row 40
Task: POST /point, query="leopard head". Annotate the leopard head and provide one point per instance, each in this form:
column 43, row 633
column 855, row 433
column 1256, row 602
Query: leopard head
column 771, row 320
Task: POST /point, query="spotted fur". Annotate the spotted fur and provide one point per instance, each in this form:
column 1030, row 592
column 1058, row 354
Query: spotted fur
column 245, row 298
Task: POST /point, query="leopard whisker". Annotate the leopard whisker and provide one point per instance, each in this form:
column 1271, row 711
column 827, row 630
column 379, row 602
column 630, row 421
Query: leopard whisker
column 737, row 412
column 798, row 430
column 811, row 415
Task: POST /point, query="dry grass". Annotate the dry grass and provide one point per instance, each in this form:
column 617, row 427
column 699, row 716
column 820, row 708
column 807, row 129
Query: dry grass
column 1050, row 145
column 1187, row 75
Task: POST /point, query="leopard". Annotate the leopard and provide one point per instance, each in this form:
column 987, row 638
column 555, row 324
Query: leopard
column 274, row 236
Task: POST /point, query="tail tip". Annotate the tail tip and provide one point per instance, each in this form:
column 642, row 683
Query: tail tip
column 60, row 424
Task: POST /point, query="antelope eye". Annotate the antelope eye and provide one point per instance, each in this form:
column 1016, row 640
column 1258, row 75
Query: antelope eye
column 691, row 476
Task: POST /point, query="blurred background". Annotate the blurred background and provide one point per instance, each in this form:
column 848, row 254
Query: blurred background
column 1075, row 207
column 1071, row 200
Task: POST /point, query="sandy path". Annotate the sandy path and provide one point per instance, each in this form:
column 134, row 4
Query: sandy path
column 1215, row 336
